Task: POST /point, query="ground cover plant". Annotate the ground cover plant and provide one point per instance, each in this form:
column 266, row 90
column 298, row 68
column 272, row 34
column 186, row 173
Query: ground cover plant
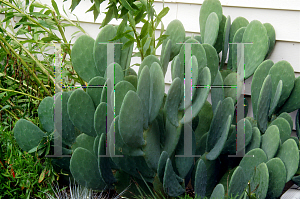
column 149, row 126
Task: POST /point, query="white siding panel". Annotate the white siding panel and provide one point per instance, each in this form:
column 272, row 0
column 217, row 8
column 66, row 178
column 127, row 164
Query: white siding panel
column 265, row 4
column 288, row 51
column 286, row 23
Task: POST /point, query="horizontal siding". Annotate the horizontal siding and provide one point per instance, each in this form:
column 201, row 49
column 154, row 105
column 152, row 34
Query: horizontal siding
column 259, row 4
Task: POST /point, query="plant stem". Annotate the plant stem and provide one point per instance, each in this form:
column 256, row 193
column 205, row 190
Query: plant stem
column 25, row 64
column 25, row 49
column 138, row 44
column 3, row 89
column 61, row 32
column 16, row 118
column 10, row 78
column 28, row 17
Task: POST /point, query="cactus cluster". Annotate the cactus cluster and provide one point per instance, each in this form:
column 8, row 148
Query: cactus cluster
column 146, row 137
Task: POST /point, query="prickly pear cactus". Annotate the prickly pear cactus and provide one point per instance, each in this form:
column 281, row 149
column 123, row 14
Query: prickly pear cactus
column 161, row 140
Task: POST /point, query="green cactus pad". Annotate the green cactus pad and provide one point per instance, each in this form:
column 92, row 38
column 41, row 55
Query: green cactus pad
column 132, row 163
column 96, row 145
column 220, row 43
column 276, row 99
column 230, row 144
column 152, row 148
column 157, row 90
column 84, row 168
column 259, row 76
column 130, row 71
column 218, row 192
column 226, row 41
column 95, row 93
column 131, row 125
column 211, row 29
column 263, row 104
column 255, row 141
column 284, row 128
column 27, row 134
column 118, row 72
column 238, row 182
column 217, row 94
column 277, row 177
column 251, row 160
column 200, row 179
column 148, row 61
column 220, row 121
column 103, row 97
column 208, row 7
column 292, row 102
column 255, row 53
column 184, row 164
column 132, row 79
column 143, row 90
column 217, row 149
column 272, row 38
column 100, row 118
column 282, row 70
column 121, row 89
column 171, row 138
column 198, row 51
column 270, row 141
column 45, row 112
column 81, row 112
column 213, row 173
column 260, row 180
column 82, row 58
column 201, row 145
column 212, row 61
column 165, row 56
column 107, row 33
column 172, row 101
column 67, row 129
column 297, row 124
column 117, row 144
column 176, row 32
column 201, row 95
column 176, row 69
column 170, row 182
column 245, row 126
column 104, row 162
column 288, row 118
column 233, row 79
column 205, row 117
column 84, row 141
column 161, row 165
column 238, row 37
column 237, row 23
column 289, row 154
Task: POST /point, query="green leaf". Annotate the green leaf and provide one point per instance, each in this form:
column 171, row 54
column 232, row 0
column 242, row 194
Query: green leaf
column 5, row 107
column 38, row 5
column 163, row 13
column 127, row 44
column 126, row 5
column 54, row 5
column 144, row 30
column 74, row 4
column 146, row 45
column 108, row 17
column 95, row 10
